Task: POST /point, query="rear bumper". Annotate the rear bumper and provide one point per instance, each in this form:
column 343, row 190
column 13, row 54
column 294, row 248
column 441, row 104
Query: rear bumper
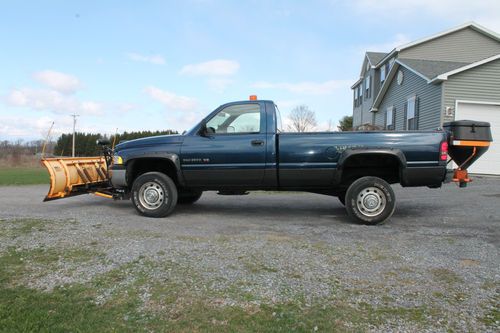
column 449, row 176
column 424, row 176
column 117, row 175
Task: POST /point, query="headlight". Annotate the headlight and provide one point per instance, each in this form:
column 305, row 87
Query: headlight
column 117, row 159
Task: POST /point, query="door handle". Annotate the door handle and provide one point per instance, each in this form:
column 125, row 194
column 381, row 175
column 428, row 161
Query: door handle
column 257, row 142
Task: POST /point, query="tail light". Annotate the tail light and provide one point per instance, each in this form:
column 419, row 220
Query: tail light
column 443, row 151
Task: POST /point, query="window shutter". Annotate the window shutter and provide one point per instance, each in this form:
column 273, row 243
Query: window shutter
column 404, row 115
column 393, row 117
column 417, row 112
column 385, row 120
column 371, row 85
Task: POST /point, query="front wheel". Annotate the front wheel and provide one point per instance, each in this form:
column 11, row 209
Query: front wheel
column 154, row 194
column 370, row 200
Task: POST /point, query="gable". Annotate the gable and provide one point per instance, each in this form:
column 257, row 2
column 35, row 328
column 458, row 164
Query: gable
column 396, row 96
column 464, row 45
column 366, row 62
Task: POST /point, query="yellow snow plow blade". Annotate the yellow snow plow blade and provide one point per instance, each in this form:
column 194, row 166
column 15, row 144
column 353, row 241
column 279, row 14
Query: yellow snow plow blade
column 71, row 176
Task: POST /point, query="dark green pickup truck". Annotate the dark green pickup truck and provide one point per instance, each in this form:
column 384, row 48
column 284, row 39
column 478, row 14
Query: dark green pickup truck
column 240, row 147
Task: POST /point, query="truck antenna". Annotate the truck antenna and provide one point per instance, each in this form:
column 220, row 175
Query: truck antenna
column 114, row 138
column 47, row 139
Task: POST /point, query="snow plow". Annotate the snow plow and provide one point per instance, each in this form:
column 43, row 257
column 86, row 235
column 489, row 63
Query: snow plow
column 70, row 176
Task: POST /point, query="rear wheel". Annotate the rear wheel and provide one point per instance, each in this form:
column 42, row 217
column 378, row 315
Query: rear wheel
column 370, row 200
column 154, row 194
column 189, row 197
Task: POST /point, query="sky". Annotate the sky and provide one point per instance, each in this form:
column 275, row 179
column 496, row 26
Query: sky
column 156, row 65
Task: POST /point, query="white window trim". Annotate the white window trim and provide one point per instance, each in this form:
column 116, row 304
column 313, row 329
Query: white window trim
column 408, row 118
column 382, row 71
column 389, row 110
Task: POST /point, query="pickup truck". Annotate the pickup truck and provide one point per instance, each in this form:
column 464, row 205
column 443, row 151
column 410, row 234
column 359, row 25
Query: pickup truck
column 241, row 147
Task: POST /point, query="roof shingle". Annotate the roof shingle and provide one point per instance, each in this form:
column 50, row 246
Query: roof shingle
column 375, row 57
column 431, row 68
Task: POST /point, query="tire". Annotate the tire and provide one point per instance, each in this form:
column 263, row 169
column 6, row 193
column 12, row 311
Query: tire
column 341, row 197
column 189, row 197
column 370, row 200
column 154, row 194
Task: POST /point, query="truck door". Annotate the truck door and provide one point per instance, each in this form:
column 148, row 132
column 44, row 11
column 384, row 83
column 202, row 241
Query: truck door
column 232, row 152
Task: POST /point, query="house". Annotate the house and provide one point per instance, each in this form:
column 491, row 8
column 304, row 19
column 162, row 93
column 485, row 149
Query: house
column 418, row 86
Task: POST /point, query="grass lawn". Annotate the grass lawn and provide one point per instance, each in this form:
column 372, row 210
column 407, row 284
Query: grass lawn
column 23, row 176
column 155, row 294
column 170, row 308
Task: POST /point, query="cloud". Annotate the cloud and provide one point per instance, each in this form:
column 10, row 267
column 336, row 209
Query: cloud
column 308, row 87
column 485, row 12
column 288, row 104
column 61, row 82
column 219, row 67
column 219, row 85
column 171, row 100
column 16, row 127
column 439, row 8
column 51, row 100
column 398, row 40
column 125, row 107
column 154, row 59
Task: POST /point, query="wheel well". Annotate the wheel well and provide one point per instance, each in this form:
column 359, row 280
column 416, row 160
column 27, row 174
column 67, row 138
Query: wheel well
column 384, row 166
column 137, row 167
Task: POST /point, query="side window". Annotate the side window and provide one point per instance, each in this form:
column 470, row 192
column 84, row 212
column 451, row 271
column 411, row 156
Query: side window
column 411, row 113
column 382, row 73
column 389, row 118
column 367, row 87
column 236, row 119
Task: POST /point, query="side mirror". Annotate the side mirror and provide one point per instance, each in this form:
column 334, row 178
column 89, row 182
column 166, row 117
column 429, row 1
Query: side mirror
column 203, row 129
column 103, row 142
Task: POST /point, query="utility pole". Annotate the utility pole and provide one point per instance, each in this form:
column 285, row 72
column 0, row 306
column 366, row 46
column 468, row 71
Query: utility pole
column 74, row 127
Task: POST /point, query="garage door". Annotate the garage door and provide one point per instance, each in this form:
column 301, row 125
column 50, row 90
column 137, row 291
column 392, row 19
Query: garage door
column 489, row 163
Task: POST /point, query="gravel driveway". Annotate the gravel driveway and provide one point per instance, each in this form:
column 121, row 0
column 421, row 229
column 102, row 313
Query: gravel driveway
column 435, row 265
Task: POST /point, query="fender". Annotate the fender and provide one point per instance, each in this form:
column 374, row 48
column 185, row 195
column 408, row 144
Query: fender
column 173, row 158
column 348, row 153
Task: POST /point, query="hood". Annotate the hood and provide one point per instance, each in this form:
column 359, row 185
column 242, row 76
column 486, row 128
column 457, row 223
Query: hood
column 150, row 141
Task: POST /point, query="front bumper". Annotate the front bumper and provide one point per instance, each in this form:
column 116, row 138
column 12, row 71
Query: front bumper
column 118, row 176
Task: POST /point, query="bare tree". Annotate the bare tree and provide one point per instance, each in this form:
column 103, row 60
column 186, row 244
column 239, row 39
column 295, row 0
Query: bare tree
column 302, row 119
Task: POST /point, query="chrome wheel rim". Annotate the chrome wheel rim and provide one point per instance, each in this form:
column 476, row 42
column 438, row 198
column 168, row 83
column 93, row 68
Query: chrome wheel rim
column 151, row 195
column 371, row 201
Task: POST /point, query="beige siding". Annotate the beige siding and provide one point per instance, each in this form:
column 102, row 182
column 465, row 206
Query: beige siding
column 481, row 84
column 429, row 101
column 466, row 45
